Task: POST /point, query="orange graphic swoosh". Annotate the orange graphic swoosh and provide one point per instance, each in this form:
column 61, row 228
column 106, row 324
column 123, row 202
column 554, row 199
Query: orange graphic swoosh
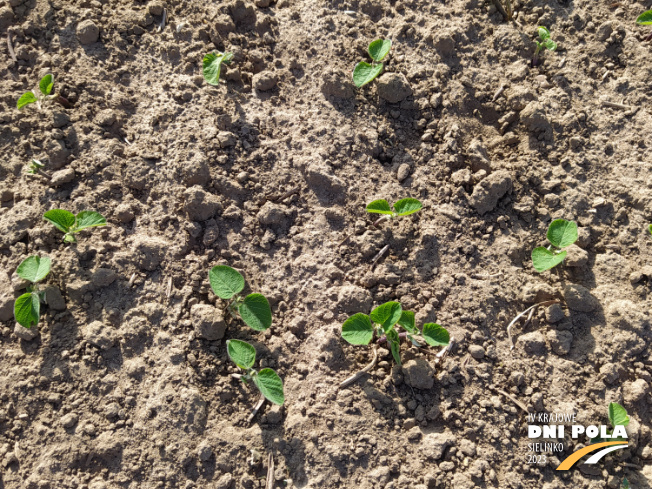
column 574, row 457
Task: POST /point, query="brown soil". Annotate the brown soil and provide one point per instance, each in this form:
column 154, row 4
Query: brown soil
column 269, row 173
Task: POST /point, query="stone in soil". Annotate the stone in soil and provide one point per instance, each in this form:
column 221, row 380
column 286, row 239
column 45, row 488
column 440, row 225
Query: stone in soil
column 486, row 194
column 579, row 299
column 87, row 32
column 26, row 334
column 418, row 374
column 199, row 204
column 208, row 322
column 532, row 343
column 393, row 87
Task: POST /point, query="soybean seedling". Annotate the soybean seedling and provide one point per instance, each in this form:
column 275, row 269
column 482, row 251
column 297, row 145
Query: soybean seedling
column 254, row 310
column 544, row 42
column 403, row 207
column 266, row 380
column 212, row 65
column 45, row 86
column 618, row 419
column 35, row 167
column 69, row 224
column 361, row 329
column 363, row 72
column 561, row 234
column 27, row 308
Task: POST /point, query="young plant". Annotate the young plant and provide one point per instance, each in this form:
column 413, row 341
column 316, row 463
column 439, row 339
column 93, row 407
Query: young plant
column 69, row 224
column 617, row 417
column 361, row 329
column 254, row 310
column 35, row 167
column 645, row 18
column 561, row 234
column 45, row 87
column 266, row 380
column 212, row 65
column 27, row 308
column 363, row 72
column 545, row 42
column 649, row 228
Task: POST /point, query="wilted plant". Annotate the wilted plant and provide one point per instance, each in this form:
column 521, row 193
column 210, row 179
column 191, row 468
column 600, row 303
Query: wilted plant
column 27, row 308
column 361, row 329
column 227, row 283
column 69, row 224
column 266, row 380
column 212, row 65
column 545, row 42
column 561, row 234
column 363, row 72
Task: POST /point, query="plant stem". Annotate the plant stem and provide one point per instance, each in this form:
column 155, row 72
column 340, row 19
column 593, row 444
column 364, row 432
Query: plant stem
column 356, row 376
column 535, row 59
column 383, row 338
column 45, row 174
column 381, row 219
column 257, row 407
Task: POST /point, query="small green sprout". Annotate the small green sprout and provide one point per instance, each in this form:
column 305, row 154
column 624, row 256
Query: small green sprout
column 69, row 224
column 27, row 308
column 561, row 234
column 212, row 65
column 625, row 484
column 360, row 329
column 266, row 380
column 617, row 417
column 645, row 18
column 227, row 283
column 45, row 87
column 363, row 72
column 545, row 43
column 649, row 228
column 35, row 167
column 403, row 207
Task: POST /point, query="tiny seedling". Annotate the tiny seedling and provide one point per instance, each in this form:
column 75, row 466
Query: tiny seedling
column 45, row 88
column 35, row 167
column 266, row 380
column 364, row 72
column 649, row 228
column 69, row 224
column 617, row 417
column 544, row 42
column 227, row 283
column 27, row 308
column 403, row 207
column 212, row 65
column 645, row 18
column 361, row 329
column 561, row 234
column 625, row 484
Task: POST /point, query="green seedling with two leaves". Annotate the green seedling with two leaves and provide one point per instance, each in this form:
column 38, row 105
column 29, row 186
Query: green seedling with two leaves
column 212, row 66
column 544, row 42
column 364, row 72
column 561, row 234
column 383, row 321
column 266, row 380
column 35, row 167
column 617, row 417
column 254, row 310
column 403, row 207
column 69, row 224
column 45, row 86
column 27, row 308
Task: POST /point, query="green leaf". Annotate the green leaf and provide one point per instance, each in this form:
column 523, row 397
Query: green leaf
column 562, row 233
column 358, row 329
column 270, row 385
column 242, row 353
column 212, row 64
column 435, row 335
column 225, row 281
column 407, row 321
column 46, row 84
column 543, row 259
column 26, row 98
column 544, row 33
column 405, row 207
column 89, row 219
column 63, row 220
column 34, row 268
column 364, row 73
column 550, row 44
column 645, row 18
column 394, row 344
column 387, row 315
column 650, row 228
column 255, row 312
column 617, row 415
column 379, row 49
column 625, row 484
column 27, row 309
column 380, row 206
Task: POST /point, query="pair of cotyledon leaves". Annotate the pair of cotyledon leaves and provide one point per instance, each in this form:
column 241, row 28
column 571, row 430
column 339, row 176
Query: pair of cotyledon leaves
column 544, row 35
column 363, row 72
column 27, row 308
column 69, row 224
column 266, row 380
column 254, row 309
column 45, row 86
column 403, row 207
column 561, row 233
column 359, row 328
column 645, row 18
